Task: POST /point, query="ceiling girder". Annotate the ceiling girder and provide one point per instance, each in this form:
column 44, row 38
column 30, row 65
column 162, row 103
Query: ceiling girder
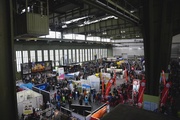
column 111, row 11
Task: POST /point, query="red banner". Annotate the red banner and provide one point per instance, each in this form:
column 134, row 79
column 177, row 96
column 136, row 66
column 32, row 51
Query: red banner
column 110, row 82
column 163, row 78
column 165, row 92
column 126, row 75
column 141, row 92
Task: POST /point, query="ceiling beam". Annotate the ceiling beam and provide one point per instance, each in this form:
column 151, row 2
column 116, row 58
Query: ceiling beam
column 111, row 11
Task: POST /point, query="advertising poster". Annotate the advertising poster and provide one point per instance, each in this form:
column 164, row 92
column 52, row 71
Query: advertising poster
column 27, row 108
column 61, row 73
column 48, row 65
column 38, row 67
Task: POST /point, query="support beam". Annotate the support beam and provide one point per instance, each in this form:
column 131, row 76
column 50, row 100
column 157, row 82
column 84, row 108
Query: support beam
column 8, row 101
column 157, row 28
column 110, row 10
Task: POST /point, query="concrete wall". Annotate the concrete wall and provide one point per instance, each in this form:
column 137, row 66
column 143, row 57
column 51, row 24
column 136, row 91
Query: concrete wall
column 132, row 51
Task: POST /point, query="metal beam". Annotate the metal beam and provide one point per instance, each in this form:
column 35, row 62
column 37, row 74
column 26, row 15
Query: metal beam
column 101, row 25
column 111, row 11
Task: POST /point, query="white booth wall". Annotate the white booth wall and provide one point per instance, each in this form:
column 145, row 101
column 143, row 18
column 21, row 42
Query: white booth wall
column 94, row 82
column 28, row 97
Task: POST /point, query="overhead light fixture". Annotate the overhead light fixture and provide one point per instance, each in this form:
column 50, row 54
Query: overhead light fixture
column 75, row 20
column 17, row 39
column 98, row 20
column 115, row 17
column 123, row 36
column 64, row 26
column 123, row 31
column 132, row 11
column 89, row 34
column 104, row 33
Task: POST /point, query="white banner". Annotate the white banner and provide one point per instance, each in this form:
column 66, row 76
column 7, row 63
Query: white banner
column 61, row 73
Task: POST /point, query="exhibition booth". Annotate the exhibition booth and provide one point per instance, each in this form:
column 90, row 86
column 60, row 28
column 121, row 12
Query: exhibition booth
column 27, row 100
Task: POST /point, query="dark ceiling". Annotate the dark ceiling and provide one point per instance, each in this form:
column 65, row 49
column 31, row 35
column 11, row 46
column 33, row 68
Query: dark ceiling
column 123, row 22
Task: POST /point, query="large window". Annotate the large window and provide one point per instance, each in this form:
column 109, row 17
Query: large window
column 82, row 55
column 61, row 57
column 77, row 55
column 39, row 55
column 46, row 55
column 85, row 55
column 97, row 53
column 100, row 56
column 94, row 53
column 105, row 53
column 69, row 55
column 18, row 60
column 101, row 53
column 89, row 54
column 57, row 57
column 65, row 57
column 32, row 56
column 51, row 53
column 25, row 56
column 73, row 55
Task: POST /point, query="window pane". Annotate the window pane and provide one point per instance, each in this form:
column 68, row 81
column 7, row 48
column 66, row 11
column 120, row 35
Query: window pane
column 91, row 54
column 97, row 54
column 94, row 53
column 39, row 55
column 77, row 55
column 61, row 57
column 51, row 57
column 69, row 55
column 32, row 56
column 18, row 60
column 85, row 55
column 57, row 57
column 101, row 53
column 65, row 57
column 105, row 52
column 82, row 55
column 45, row 55
column 25, row 56
column 74, row 55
